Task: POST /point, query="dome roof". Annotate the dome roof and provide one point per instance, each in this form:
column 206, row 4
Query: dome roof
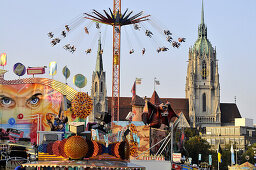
column 203, row 44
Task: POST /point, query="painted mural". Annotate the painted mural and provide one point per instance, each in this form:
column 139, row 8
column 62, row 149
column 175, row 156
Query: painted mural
column 21, row 103
column 138, row 137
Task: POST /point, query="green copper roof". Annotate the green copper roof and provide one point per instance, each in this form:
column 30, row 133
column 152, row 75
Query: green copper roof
column 202, row 43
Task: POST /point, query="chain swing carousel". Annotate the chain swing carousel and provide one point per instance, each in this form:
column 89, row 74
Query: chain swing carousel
column 60, row 107
column 127, row 23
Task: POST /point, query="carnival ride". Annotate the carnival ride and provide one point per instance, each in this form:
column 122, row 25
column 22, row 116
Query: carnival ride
column 118, row 21
column 120, row 142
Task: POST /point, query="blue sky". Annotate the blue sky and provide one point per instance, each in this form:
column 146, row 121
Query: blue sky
column 231, row 28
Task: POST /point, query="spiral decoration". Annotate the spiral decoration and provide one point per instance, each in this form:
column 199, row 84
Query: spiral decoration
column 49, row 148
column 133, row 128
column 120, row 150
column 81, row 105
column 76, row 147
column 96, row 148
column 55, row 148
column 61, row 148
column 133, row 151
column 116, row 150
column 42, row 148
column 133, row 144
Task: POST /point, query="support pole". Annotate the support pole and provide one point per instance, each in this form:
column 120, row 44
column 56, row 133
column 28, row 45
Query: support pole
column 172, row 144
column 116, row 64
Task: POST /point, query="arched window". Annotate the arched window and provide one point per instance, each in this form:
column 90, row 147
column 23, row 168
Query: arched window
column 98, row 108
column 212, row 70
column 204, row 70
column 101, row 86
column 96, row 87
column 204, row 102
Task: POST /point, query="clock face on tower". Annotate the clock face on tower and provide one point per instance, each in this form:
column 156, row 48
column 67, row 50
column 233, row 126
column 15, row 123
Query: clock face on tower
column 204, row 73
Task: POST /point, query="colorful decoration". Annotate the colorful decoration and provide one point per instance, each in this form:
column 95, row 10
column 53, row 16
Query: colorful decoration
column 133, row 151
column 66, row 72
column 3, row 59
column 156, row 115
column 49, row 148
column 35, row 70
column 55, row 148
column 73, row 115
column 134, row 140
column 76, row 147
column 79, row 80
column 20, row 116
column 11, row 121
column 61, row 148
column 81, row 105
column 96, row 148
column 52, row 68
column 42, row 148
column 19, row 69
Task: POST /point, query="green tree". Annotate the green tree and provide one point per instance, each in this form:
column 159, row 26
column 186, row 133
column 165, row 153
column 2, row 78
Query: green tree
column 249, row 154
column 195, row 146
column 226, row 157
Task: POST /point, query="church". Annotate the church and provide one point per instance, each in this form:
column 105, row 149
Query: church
column 200, row 108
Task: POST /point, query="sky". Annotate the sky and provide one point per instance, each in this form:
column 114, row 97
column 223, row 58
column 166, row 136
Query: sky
column 231, row 29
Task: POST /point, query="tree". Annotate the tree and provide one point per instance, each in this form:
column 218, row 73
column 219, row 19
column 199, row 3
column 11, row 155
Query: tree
column 226, row 157
column 195, row 146
column 248, row 156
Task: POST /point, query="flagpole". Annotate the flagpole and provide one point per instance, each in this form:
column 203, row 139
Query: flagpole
column 218, row 153
column 231, row 162
column 154, row 83
column 218, row 159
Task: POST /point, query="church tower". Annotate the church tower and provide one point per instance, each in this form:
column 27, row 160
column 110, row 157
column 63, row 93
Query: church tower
column 98, row 90
column 202, row 81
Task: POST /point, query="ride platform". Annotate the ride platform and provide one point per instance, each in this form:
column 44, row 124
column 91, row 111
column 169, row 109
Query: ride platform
column 84, row 164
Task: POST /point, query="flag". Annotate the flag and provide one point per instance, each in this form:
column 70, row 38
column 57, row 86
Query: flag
column 138, row 80
column 134, row 89
column 232, row 155
column 219, row 154
column 157, row 82
column 52, row 68
column 3, row 59
column 182, row 137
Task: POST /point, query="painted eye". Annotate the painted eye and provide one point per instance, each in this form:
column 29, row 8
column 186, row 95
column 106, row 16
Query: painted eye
column 6, row 101
column 34, row 100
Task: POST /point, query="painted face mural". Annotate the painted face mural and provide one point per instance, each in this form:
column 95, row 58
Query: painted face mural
column 20, row 104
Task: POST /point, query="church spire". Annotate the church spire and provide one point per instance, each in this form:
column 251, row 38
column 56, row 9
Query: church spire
column 99, row 63
column 202, row 13
column 202, row 30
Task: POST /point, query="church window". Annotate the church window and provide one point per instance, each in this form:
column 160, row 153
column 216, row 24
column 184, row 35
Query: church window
column 98, row 108
column 204, row 102
column 96, row 87
column 101, row 86
column 204, row 70
column 212, row 70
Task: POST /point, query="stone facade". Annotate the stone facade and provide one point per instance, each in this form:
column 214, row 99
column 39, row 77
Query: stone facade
column 242, row 136
column 202, row 81
column 98, row 89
